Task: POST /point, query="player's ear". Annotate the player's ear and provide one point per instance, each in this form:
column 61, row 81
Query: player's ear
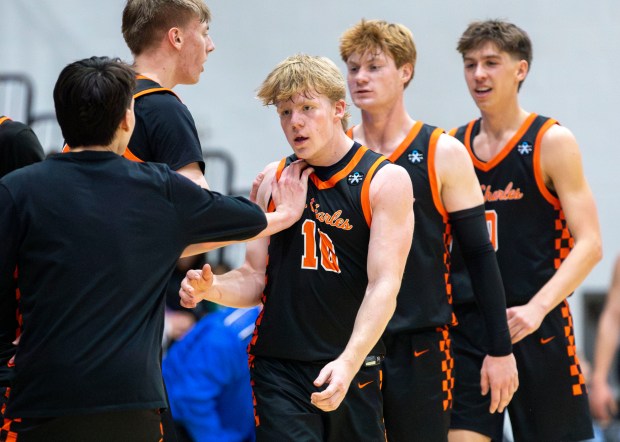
column 175, row 37
column 406, row 72
column 127, row 122
column 341, row 108
column 522, row 70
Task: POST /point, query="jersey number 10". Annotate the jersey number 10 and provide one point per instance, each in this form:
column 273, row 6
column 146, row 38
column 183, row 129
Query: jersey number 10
column 329, row 259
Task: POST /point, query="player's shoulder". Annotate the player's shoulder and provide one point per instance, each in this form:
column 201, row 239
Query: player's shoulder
column 451, row 151
column 159, row 104
column 266, row 177
column 11, row 124
column 450, row 144
column 273, row 167
column 558, row 140
column 391, row 177
column 12, row 130
column 557, row 133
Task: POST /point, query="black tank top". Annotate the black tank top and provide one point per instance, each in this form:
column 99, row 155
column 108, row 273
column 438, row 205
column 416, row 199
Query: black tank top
column 525, row 219
column 425, row 297
column 316, row 273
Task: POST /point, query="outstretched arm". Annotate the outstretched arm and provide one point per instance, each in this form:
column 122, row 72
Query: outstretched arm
column 602, row 400
column 289, row 196
column 563, row 172
column 242, row 287
column 391, row 199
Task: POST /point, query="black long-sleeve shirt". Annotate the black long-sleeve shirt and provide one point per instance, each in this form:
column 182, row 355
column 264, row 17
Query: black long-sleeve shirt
column 95, row 238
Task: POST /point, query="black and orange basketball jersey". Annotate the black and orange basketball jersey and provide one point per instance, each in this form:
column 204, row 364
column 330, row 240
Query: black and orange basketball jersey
column 144, row 86
column 316, row 273
column 165, row 131
column 425, row 296
column 525, row 219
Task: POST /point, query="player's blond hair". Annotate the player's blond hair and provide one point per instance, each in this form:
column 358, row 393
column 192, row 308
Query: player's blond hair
column 304, row 74
column 393, row 39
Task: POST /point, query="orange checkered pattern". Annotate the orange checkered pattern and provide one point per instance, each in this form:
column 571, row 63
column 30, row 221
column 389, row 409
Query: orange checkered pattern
column 447, row 241
column 564, row 241
column 256, row 418
column 447, row 365
column 6, row 434
column 579, row 387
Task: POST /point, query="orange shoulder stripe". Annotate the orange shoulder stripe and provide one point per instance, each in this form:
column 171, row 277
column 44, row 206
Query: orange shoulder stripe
column 540, row 180
column 271, row 207
column 3, row 119
column 366, row 190
column 432, row 175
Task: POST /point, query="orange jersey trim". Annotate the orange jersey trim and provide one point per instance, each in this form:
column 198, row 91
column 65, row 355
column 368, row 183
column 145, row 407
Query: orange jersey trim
column 432, row 173
column 321, row 185
column 366, row 191
column 415, row 130
column 3, row 119
column 128, row 154
column 271, row 207
column 152, row 90
column 540, row 179
column 486, row 166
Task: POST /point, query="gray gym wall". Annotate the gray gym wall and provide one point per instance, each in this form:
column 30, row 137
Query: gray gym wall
column 574, row 75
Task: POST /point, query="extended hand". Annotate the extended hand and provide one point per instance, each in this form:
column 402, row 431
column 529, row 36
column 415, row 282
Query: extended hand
column 499, row 374
column 195, row 285
column 289, row 192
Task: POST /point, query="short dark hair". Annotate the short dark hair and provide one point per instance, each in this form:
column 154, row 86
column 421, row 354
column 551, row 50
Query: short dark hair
column 91, row 97
column 508, row 37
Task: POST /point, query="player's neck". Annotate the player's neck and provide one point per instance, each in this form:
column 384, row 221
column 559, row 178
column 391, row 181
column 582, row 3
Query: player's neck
column 497, row 122
column 108, row 148
column 337, row 148
column 157, row 67
column 384, row 131
column 496, row 131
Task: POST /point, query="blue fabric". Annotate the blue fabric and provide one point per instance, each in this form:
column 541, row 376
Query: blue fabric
column 208, row 379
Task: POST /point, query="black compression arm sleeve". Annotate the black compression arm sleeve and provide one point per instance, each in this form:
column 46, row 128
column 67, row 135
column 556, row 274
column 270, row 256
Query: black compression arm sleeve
column 479, row 256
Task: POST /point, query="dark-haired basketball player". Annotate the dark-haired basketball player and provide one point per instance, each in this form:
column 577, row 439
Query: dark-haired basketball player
column 543, row 223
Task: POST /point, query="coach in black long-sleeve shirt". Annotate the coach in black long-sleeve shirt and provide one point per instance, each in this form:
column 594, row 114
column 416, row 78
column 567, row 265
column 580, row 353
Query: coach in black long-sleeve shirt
column 95, row 238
